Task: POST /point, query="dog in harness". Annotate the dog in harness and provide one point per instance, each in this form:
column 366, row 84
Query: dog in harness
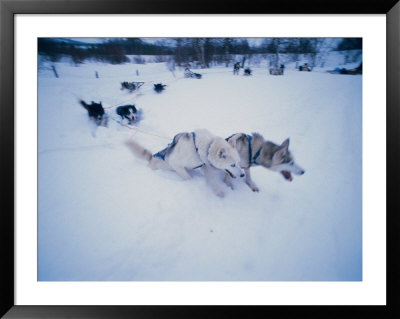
column 190, row 74
column 254, row 150
column 236, row 68
column 191, row 150
column 131, row 86
column 161, row 154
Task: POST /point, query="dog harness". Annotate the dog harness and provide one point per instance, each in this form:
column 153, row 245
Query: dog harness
column 252, row 160
column 161, row 154
column 197, row 149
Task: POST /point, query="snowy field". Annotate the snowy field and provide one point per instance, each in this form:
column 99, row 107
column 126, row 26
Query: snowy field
column 103, row 215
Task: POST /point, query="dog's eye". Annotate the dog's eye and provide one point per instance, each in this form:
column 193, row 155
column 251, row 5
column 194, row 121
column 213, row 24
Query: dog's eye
column 233, row 165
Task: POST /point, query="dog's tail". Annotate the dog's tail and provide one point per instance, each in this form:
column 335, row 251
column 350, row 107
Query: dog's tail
column 83, row 103
column 138, row 150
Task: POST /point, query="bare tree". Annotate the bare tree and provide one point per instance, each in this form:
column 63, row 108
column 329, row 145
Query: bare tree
column 199, row 46
column 178, row 51
column 316, row 45
column 227, row 47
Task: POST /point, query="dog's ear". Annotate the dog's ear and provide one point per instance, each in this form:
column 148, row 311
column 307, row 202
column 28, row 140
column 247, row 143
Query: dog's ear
column 231, row 143
column 279, row 155
column 222, row 153
column 83, row 103
column 285, row 143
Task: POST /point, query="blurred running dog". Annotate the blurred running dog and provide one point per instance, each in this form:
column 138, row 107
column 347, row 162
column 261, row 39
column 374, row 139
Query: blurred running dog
column 159, row 87
column 247, row 71
column 193, row 150
column 131, row 86
column 254, row 150
column 128, row 112
column 95, row 112
column 190, row 74
column 236, row 68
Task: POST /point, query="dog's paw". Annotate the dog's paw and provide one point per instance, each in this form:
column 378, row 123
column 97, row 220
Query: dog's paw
column 227, row 181
column 220, row 193
column 229, row 184
column 254, row 188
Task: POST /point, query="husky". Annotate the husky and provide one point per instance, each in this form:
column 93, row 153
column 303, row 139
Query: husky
column 128, row 112
column 159, row 87
column 190, row 74
column 254, row 150
column 191, row 150
column 96, row 112
column 247, row 71
column 236, row 68
column 131, row 86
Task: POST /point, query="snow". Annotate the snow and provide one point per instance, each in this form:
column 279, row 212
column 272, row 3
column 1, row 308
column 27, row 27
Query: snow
column 103, row 215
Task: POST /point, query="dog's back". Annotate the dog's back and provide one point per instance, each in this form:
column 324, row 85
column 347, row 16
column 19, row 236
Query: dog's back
column 95, row 111
column 159, row 87
column 126, row 109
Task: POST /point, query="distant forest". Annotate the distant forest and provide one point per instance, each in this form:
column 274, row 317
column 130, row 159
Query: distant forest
column 203, row 51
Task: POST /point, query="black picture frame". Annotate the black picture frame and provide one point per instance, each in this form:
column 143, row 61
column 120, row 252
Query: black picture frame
column 8, row 8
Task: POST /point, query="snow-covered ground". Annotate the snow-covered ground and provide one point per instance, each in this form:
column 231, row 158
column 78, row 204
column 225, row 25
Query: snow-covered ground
column 104, row 215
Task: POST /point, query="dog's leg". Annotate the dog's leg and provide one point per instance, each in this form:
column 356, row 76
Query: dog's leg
column 157, row 163
column 249, row 181
column 212, row 179
column 93, row 128
column 104, row 121
column 182, row 172
column 228, row 180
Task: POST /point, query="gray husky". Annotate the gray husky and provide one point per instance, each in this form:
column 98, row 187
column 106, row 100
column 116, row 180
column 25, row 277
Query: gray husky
column 254, row 150
column 193, row 150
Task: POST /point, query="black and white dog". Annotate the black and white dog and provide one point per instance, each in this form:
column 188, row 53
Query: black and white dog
column 190, row 74
column 131, row 86
column 247, row 71
column 128, row 112
column 96, row 112
column 159, row 87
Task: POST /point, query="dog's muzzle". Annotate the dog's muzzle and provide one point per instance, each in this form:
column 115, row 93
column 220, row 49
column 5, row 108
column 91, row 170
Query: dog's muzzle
column 288, row 176
column 232, row 175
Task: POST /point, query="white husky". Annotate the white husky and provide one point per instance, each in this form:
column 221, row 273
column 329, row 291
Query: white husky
column 193, row 150
column 254, row 150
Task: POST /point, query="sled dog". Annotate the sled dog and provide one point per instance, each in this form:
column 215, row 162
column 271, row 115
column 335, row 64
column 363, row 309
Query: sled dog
column 236, row 68
column 190, row 74
column 95, row 112
column 128, row 112
column 159, row 87
column 131, row 86
column 254, row 150
column 193, row 150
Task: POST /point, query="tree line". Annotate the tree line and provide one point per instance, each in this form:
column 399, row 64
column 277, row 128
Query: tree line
column 186, row 50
